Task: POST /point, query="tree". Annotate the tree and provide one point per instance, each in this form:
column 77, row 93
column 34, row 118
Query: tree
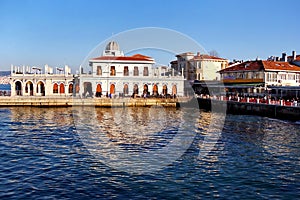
column 213, row 53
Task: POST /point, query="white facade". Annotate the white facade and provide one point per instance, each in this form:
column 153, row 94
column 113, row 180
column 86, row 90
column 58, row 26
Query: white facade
column 114, row 74
column 33, row 81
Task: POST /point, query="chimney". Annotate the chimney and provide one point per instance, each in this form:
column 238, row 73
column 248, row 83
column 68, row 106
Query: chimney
column 293, row 55
column 284, row 57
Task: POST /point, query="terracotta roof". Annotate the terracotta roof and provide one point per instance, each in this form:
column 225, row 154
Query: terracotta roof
column 259, row 65
column 204, row 56
column 136, row 57
column 280, row 66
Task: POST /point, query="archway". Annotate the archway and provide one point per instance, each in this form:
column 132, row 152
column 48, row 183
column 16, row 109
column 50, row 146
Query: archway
column 145, row 91
column 40, row 89
column 18, row 88
column 77, row 88
column 174, row 90
column 29, row 88
column 55, row 88
column 61, row 88
column 165, row 90
column 135, row 89
column 155, row 90
column 87, row 89
column 112, row 89
column 125, row 89
column 98, row 90
column 70, row 88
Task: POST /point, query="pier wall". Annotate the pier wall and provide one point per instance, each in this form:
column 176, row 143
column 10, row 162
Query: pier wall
column 97, row 102
column 267, row 110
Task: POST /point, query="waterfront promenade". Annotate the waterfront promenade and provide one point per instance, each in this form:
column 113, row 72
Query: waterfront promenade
column 97, row 102
column 252, row 106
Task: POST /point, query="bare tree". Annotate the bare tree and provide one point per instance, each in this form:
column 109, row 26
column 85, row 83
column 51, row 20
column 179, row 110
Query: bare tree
column 213, row 53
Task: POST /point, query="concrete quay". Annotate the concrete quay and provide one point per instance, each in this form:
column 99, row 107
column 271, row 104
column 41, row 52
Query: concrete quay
column 244, row 108
column 97, row 102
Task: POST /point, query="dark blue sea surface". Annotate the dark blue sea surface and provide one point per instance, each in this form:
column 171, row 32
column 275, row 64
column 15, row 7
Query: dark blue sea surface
column 44, row 155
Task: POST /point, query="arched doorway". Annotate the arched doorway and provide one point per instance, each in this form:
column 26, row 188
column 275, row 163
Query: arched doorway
column 125, row 89
column 98, row 90
column 29, row 88
column 165, row 90
column 135, row 89
column 174, row 90
column 55, row 88
column 112, row 89
column 61, row 88
column 145, row 91
column 87, row 89
column 155, row 90
column 40, row 88
column 70, row 88
column 18, row 88
column 77, row 88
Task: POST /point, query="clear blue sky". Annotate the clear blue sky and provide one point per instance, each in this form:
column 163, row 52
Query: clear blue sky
column 58, row 32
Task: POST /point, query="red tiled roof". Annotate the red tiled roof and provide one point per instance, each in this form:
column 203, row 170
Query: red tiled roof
column 262, row 65
column 136, row 57
column 204, row 56
column 280, row 66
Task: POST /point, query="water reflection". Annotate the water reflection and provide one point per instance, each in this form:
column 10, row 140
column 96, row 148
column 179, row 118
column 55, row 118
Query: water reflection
column 45, row 153
column 128, row 138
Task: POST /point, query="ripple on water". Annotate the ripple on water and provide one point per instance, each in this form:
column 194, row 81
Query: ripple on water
column 42, row 156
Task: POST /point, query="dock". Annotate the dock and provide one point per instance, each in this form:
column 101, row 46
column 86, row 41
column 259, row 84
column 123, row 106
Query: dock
column 97, row 102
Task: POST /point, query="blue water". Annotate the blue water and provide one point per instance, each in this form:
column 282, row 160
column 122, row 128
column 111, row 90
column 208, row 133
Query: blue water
column 43, row 156
column 5, row 87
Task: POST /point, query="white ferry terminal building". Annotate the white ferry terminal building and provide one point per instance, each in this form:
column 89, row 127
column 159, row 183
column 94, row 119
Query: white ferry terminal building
column 112, row 75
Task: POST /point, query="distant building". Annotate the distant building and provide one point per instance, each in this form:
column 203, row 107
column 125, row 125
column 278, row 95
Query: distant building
column 34, row 81
column 115, row 74
column 257, row 76
column 199, row 67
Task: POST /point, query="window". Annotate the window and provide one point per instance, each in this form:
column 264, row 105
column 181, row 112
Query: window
column 125, row 89
column 55, row 88
column 126, row 71
column 136, row 71
column 145, row 72
column 62, row 88
column 71, row 88
column 99, row 71
column 112, row 71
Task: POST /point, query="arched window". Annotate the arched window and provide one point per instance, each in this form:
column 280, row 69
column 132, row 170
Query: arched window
column 165, row 90
column 99, row 71
column 98, row 90
column 62, row 88
column 112, row 71
column 155, row 90
column 40, row 89
column 18, row 87
column 112, row 89
column 55, row 88
column 174, row 90
column 145, row 72
column 135, row 89
column 71, row 88
column 77, row 88
column 145, row 91
column 29, row 88
column 135, row 71
column 125, row 89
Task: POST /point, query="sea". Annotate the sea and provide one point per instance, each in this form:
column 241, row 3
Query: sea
column 146, row 153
